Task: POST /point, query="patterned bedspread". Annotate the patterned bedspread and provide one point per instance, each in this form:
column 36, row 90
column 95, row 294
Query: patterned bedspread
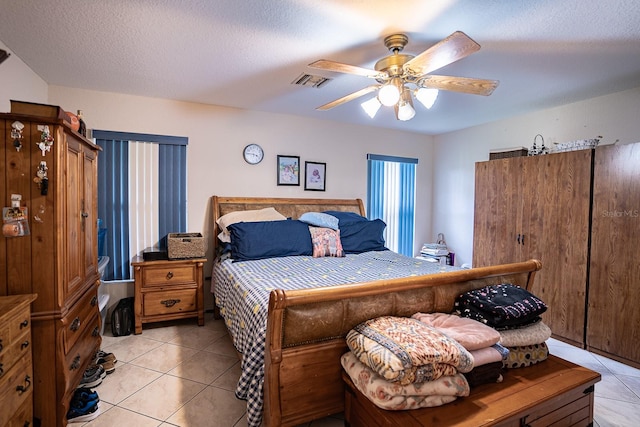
column 241, row 291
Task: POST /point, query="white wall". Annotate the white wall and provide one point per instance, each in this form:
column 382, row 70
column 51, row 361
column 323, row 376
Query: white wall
column 614, row 117
column 217, row 136
column 19, row 82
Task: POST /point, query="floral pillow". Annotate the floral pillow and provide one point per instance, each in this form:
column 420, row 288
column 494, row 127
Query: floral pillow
column 326, row 242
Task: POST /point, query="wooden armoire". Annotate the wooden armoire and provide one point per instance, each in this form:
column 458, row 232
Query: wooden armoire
column 57, row 259
column 561, row 209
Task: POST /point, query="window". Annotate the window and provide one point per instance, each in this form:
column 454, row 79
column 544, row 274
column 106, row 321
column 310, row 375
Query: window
column 391, row 193
column 141, row 195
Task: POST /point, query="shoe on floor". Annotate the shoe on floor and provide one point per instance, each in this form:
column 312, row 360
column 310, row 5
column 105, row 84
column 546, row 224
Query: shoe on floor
column 84, row 413
column 84, row 395
column 103, row 356
column 108, row 367
column 92, row 377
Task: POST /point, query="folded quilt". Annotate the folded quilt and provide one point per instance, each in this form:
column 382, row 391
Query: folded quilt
column 393, row 396
column 483, row 356
column 406, row 350
column 500, row 305
column 485, row 374
column 470, row 333
column 532, row 334
column 523, row 356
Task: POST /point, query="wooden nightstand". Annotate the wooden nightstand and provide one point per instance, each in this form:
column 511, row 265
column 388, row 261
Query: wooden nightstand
column 168, row 290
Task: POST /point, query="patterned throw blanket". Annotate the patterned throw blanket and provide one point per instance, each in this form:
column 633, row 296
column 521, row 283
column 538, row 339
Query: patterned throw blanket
column 500, row 306
column 406, row 351
column 395, row 397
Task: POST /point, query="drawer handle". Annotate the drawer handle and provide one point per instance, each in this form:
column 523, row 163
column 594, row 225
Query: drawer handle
column 1, row 370
column 170, row 302
column 170, row 275
column 94, row 301
column 24, row 345
column 95, row 332
column 1, row 347
column 24, row 323
column 75, row 364
column 75, row 325
column 23, row 388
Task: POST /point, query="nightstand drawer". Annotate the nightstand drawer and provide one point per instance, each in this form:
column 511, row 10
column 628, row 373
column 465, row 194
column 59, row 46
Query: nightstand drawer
column 168, row 275
column 168, row 302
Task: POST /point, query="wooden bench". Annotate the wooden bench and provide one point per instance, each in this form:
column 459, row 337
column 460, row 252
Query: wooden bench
column 554, row 392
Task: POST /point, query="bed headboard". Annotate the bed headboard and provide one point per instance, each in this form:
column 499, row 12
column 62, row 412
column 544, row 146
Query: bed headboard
column 289, row 207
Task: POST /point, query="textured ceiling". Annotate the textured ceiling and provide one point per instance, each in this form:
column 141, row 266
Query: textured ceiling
column 246, row 53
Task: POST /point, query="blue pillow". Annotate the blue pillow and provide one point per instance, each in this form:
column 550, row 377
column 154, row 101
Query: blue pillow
column 319, row 219
column 269, row 239
column 346, row 218
column 362, row 236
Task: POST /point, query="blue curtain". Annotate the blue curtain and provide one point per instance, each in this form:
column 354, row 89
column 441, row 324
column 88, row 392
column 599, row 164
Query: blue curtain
column 113, row 193
column 391, row 197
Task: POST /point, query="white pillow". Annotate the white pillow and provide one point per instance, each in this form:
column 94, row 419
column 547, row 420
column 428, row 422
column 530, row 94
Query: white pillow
column 266, row 214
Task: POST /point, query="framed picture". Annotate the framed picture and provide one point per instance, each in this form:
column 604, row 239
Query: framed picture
column 288, row 170
column 315, row 176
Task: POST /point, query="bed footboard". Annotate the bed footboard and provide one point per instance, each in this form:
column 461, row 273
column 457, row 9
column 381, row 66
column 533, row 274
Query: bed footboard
column 306, row 332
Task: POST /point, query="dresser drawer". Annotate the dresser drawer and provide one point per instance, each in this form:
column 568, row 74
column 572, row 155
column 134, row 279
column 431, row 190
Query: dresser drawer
column 23, row 415
column 16, row 387
column 169, row 275
column 77, row 320
column 81, row 354
column 15, row 339
column 168, row 302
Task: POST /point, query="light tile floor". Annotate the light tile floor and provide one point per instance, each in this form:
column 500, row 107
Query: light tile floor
column 179, row 374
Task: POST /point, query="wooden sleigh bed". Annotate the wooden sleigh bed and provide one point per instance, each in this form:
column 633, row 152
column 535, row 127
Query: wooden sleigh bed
column 305, row 328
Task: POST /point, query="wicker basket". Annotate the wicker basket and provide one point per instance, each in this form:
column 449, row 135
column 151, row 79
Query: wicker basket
column 508, row 153
column 185, row 245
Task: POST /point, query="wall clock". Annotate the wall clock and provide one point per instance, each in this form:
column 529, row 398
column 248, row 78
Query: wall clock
column 253, row 154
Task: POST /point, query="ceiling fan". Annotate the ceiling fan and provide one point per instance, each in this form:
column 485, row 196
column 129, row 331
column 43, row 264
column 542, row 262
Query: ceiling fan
column 400, row 75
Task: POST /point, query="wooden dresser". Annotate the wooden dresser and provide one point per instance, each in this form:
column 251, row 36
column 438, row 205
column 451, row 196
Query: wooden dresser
column 553, row 392
column 57, row 260
column 168, row 290
column 16, row 369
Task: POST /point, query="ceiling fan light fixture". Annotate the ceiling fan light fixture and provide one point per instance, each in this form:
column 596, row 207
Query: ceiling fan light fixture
column 371, row 106
column 404, row 108
column 426, row 96
column 389, row 94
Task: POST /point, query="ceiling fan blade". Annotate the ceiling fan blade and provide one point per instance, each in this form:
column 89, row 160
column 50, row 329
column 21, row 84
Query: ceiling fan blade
column 455, row 47
column 459, row 84
column 348, row 98
column 339, row 67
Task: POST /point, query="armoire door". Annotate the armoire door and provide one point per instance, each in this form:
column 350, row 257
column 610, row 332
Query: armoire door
column 498, row 212
column 555, row 227
column 613, row 322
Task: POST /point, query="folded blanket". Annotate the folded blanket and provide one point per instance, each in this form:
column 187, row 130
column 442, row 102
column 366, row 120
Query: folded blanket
column 485, row 374
column 495, row 353
column 393, row 396
column 500, row 305
column 529, row 335
column 406, row 350
column 523, row 356
column 470, row 333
